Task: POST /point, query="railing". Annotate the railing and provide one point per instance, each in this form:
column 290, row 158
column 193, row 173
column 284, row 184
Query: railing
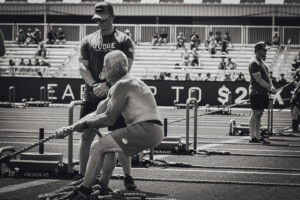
column 24, row 71
column 144, row 32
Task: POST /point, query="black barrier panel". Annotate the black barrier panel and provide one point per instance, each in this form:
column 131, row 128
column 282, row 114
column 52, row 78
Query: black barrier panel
column 65, row 90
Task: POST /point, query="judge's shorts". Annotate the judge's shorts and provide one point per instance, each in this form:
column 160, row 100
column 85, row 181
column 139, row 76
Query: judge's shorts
column 259, row 101
column 138, row 137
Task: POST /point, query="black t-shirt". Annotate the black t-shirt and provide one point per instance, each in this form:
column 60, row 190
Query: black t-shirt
column 95, row 46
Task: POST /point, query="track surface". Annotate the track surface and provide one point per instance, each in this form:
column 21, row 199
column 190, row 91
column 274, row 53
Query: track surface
column 252, row 171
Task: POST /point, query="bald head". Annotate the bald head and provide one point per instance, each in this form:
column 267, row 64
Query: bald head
column 115, row 65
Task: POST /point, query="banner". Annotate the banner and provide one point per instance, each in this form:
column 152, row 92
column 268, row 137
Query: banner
column 65, row 90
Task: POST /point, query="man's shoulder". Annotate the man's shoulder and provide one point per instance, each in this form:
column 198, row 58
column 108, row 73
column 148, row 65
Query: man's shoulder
column 91, row 35
column 253, row 61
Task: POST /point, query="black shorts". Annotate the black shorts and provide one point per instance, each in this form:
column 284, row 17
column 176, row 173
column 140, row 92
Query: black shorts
column 259, row 101
column 88, row 107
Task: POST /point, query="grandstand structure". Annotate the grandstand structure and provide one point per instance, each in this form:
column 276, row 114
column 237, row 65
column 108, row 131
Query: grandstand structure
column 247, row 21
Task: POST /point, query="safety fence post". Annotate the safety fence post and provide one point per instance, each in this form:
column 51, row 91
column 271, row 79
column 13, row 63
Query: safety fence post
column 42, row 93
column 11, row 94
column 270, row 115
column 70, row 137
column 188, row 103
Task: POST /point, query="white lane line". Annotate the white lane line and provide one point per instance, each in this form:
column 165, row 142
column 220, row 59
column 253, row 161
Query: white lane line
column 11, row 188
column 207, row 146
column 262, row 150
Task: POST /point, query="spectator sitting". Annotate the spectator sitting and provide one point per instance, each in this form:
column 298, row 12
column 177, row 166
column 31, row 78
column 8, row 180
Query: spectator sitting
column 276, row 40
column 21, row 38
column 199, row 77
column 22, row 63
column 224, row 47
column 227, row 38
column 282, row 79
column 227, row 77
column 194, row 40
column 176, row 78
column 222, row 64
column 161, row 76
column 51, row 37
column 272, row 78
column 41, row 51
column 231, row 65
column 180, row 41
column 240, row 78
column 60, row 36
column 212, row 47
column 218, row 38
column 186, row 57
column 163, row 37
column 11, row 63
column 29, row 36
column 29, row 63
column 187, row 77
column 208, row 77
column 45, row 63
column 296, row 61
column 210, row 38
column 195, row 57
column 37, row 62
column 167, row 75
column 154, row 41
column 37, row 36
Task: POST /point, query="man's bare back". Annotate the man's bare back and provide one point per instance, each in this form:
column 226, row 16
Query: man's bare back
column 135, row 100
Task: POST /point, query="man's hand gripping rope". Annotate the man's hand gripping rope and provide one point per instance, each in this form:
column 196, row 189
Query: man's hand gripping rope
column 78, row 127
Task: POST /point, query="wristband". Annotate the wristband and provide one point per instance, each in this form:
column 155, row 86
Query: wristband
column 85, row 126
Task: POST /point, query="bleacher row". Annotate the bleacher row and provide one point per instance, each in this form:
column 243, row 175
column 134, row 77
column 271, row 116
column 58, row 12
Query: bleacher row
column 166, row 1
column 149, row 61
column 57, row 55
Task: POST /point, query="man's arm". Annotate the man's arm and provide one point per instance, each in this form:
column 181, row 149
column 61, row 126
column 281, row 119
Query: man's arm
column 114, row 107
column 261, row 81
column 85, row 72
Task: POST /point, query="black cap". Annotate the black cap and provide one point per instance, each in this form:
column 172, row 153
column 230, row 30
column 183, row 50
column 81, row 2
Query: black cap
column 261, row 45
column 103, row 10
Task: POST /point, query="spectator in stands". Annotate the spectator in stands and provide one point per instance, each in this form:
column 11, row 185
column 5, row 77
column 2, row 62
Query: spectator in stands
column 51, row 37
column 296, row 61
column 29, row 63
column 282, row 79
column 29, row 36
column 222, row 64
column 2, row 44
column 60, row 39
column 155, row 38
column 194, row 40
column 195, row 57
column 199, row 77
column 227, row 38
column 11, row 63
column 22, row 63
column 227, row 77
column 163, row 37
column 37, row 62
column 231, row 65
column 210, row 38
column 176, row 78
column 218, row 38
column 161, row 76
column 212, row 47
column 276, row 40
column 45, row 63
column 224, row 47
column 187, row 77
column 208, row 77
column 240, row 77
column 185, row 55
column 37, row 36
column 127, row 32
column 180, row 41
column 167, row 75
column 21, row 38
column 272, row 78
column 41, row 50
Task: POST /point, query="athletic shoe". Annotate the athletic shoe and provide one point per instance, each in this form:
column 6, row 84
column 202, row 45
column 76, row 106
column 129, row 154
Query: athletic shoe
column 129, row 183
column 254, row 140
column 80, row 193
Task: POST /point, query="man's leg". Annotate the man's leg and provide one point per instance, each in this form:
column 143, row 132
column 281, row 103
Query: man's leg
column 109, row 165
column 87, row 138
column 258, row 125
column 126, row 165
column 254, row 123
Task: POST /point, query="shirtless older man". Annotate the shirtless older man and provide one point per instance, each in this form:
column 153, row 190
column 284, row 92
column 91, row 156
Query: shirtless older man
column 134, row 100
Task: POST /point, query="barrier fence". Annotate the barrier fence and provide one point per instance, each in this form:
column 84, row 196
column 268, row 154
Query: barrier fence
column 144, row 32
